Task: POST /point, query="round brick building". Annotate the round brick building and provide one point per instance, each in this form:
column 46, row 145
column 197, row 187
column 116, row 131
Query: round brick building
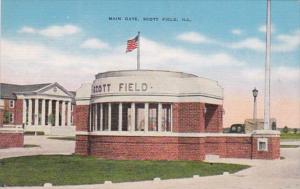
column 151, row 114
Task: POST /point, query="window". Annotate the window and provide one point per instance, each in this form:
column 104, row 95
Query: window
column 262, row 144
column 11, row 118
column 11, row 103
column 126, row 112
column 114, row 116
column 140, row 117
column 132, row 119
column 166, row 117
column 105, row 116
column 153, row 117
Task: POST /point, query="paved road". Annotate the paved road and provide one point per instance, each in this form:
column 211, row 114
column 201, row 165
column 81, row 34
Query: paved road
column 264, row 174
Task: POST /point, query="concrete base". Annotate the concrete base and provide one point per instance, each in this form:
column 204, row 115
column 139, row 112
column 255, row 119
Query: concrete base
column 52, row 130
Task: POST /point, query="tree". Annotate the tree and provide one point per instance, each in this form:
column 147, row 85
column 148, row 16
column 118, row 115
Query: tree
column 285, row 129
column 295, row 130
column 6, row 117
column 51, row 119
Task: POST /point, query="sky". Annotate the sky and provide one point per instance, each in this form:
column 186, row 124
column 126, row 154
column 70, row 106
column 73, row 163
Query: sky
column 69, row 41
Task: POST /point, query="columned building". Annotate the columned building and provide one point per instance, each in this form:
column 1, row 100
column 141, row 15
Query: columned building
column 44, row 108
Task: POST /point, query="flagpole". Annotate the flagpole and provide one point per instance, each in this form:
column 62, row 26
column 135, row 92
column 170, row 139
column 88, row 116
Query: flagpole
column 138, row 52
column 267, row 68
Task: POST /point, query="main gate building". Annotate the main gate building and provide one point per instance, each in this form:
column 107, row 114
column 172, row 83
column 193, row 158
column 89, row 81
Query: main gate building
column 151, row 114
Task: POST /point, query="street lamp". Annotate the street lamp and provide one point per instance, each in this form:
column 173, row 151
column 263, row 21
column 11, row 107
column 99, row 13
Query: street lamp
column 255, row 93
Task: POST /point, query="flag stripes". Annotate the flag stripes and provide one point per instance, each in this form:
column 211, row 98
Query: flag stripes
column 132, row 44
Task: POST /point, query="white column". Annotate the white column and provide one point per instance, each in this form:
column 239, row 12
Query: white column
column 63, row 113
column 109, row 116
column 49, row 112
column 132, row 125
column 90, row 118
column 146, row 112
column 69, row 113
column 57, row 113
column 159, row 116
column 29, row 111
column 95, row 116
column 43, row 113
column 101, row 117
column 171, row 121
column 36, row 112
column 24, row 111
column 120, row 117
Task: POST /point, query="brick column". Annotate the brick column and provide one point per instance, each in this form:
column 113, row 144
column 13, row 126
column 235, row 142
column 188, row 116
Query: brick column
column 18, row 111
column 81, row 115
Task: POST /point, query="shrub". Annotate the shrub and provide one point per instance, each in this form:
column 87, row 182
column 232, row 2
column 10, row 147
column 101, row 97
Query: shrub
column 295, row 131
column 285, row 129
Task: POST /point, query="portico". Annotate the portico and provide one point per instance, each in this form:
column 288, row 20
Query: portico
column 48, row 110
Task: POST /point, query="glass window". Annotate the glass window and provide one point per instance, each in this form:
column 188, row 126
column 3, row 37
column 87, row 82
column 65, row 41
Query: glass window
column 105, row 116
column 11, row 117
column 126, row 121
column 153, row 115
column 11, row 103
column 166, row 117
column 114, row 116
column 139, row 117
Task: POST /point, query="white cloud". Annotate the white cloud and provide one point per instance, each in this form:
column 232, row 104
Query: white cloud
column 94, row 43
column 249, row 43
column 236, row 31
column 27, row 29
column 34, row 62
column 52, row 31
column 282, row 73
column 287, row 42
column 262, row 28
column 280, row 43
column 194, row 37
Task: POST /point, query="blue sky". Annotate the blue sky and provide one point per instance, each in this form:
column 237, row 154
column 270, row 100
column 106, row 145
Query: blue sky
column 56, row 40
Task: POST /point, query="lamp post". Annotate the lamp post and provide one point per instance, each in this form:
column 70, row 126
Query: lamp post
column 255, row 93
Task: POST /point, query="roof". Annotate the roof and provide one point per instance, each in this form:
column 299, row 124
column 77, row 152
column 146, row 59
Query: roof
column 9, row 90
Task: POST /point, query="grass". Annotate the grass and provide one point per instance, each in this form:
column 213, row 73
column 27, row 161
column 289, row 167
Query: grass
column 74, row 170
column 290, row 136
column 30, row 145
column 289, row 146
column 63, row 138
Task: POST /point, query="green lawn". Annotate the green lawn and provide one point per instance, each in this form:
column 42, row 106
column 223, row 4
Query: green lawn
column 290, row 136
column 72, row 170
column 289, row 146
column 30, row 145
column 63, row 138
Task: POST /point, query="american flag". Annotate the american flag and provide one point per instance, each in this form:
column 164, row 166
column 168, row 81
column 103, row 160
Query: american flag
column 132, row 44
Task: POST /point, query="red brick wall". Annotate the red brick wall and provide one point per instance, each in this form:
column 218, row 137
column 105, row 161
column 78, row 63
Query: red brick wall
column 82, row 145
column 145, row 148
column 1, row 117
column 18, row 110
column 273, row 149
column 213, row 118
column 9, row 140
column 238, row 147
column 81, row 117
column 188, row 117
column 174, row 148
